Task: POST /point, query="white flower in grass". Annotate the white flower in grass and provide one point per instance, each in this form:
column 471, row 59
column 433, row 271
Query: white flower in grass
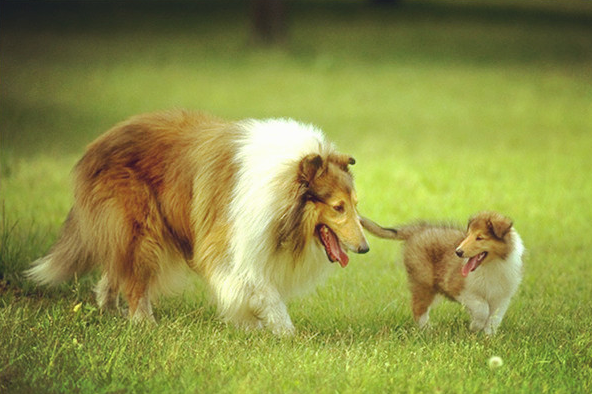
column 495, row 362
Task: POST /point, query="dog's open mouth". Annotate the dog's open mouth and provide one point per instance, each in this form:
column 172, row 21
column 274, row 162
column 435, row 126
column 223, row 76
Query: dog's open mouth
column 473, row 263
column 332, row 245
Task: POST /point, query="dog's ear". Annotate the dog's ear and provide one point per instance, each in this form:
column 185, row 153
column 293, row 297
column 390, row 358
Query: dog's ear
column 343, row 161
column 309, row 168
column 499, row 226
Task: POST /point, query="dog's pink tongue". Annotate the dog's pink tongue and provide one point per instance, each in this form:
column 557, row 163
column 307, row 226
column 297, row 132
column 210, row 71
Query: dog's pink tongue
column 336, row 250
column 343, row 258
column 469, row 266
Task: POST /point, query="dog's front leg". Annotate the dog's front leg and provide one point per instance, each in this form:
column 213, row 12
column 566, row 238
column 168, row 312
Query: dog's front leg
column 498, row 311
column 267, row 305
column 479, row 310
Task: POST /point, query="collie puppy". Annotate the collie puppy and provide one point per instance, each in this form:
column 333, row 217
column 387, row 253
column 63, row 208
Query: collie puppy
column 258, row 208
column 481, row 267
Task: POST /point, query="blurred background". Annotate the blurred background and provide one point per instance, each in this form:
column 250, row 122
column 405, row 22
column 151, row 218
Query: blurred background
column 438, row 100
column 70, row 69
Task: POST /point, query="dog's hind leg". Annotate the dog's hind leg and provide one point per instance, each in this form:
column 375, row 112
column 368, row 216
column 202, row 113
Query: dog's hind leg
column 107, row 293
column 142, row 268
column 143, row 308
column 137, row 262
column 137, row 293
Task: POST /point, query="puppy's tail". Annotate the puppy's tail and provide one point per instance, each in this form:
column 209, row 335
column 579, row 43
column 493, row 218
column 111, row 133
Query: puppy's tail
column 66, row 258
column 402, row 233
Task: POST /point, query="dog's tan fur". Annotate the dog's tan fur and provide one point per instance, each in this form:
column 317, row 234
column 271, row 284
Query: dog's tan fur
column 134, row 208
column 434, row 256
column 154, row 195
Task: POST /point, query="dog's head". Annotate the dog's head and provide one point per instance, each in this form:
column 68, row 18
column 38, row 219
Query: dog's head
column 487, row 240
column 331, row 200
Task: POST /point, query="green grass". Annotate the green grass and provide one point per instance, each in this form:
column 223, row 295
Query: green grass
column 448, row 108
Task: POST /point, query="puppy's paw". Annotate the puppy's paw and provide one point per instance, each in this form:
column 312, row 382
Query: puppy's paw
column 489, row 330
column 476, row 326
column 423, row 321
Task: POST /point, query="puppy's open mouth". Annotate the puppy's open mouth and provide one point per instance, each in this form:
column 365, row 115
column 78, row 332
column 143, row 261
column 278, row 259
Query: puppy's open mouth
column 332, row 245
column 473, row 263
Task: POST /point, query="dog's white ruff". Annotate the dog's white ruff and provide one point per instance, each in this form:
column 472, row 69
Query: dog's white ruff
column 253, row 287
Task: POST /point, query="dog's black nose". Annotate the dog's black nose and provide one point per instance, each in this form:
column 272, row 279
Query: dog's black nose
column 363, row 249
column 459, row 252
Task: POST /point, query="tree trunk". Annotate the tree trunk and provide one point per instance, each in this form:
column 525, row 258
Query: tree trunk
column 269, row 20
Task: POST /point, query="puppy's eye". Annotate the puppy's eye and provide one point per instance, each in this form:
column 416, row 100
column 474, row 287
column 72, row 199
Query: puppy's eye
column 339, row 208
column 479, row 238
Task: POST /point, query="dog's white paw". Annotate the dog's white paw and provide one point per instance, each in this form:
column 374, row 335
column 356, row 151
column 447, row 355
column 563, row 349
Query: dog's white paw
column 284, row 331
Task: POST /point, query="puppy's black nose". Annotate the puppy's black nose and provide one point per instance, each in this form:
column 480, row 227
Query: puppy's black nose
column 363, row 249
column 459, row 252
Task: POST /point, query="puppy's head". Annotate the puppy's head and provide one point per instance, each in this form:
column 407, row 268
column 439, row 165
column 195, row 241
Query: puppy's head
column 487, row 240
column 331, row 196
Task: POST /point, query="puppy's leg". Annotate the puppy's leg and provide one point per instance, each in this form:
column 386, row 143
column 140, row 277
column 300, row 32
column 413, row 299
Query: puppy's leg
column 266, row 305
column 497, row 312
column 479, row 311
column 422, row 298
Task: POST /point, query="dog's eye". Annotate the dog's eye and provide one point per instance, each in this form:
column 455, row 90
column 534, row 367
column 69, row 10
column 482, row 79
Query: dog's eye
column 339, row 208
column 479, row 238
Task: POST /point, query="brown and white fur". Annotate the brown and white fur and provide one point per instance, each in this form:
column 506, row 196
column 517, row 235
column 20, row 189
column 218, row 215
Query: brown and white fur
column 480, row 268
column 255, row 207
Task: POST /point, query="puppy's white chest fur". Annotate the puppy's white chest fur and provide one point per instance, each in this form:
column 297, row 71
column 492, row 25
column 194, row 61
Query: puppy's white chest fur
column 498, row 279
column 489, row 289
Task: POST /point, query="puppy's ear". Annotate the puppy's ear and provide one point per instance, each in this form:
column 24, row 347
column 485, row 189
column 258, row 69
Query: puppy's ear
column 343, row 161
column 309, row 168
column 499, row 226
column 471, row 220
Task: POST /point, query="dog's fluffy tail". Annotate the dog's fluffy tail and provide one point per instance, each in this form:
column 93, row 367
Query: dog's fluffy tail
column 65, row 259
column 402, row 233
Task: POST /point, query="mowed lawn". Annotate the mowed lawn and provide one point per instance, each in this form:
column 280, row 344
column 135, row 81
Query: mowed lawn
column 448, row 107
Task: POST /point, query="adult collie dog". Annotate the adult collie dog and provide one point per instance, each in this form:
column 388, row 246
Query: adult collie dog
column 480, row 268
column 257, row 207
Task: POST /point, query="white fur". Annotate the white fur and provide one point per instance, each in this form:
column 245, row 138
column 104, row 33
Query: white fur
column 41, row 271
column 255, row 284
column 489, row 289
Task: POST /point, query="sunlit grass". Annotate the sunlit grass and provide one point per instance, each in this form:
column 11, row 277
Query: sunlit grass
column 447, row 109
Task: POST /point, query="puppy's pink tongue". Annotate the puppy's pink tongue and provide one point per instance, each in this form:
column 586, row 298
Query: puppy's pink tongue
column 469, row 266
